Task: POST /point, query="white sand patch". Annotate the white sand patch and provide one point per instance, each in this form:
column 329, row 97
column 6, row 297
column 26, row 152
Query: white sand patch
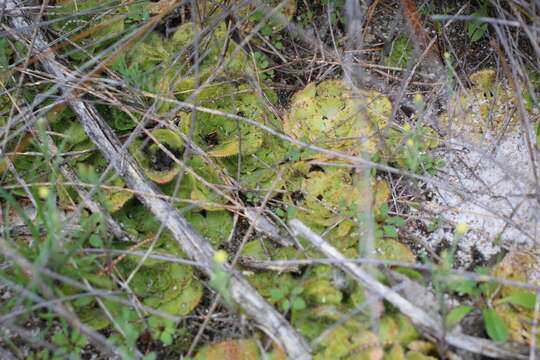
column 490, row 176
column 495, row 196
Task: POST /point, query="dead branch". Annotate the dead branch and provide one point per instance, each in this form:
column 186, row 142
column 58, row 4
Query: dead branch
column 419, row 317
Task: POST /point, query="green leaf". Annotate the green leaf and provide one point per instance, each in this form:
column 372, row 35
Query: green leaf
column 255, row 250
column 257, row 16
column 384, row 210
column 292, row 212
column 279, row 212
column 390, row 231
column 463, row 286
column 166, row 338
column 411, row 274
column 523, row 299
column 401, row 52
column 390, row 249
column 213, row 225
column 395, row 220
column 482, row 270
column 295, row 153
column 95, row 240
column 476, row 31
column 298, row 304
column 276, row 294
column 150, row 356
column 20, row 211
column 122, row 121
column 78, row 339
column 297, row 290
column 266, row 30
column 487, row 288
column 456, row 314
column 75, row 134
column 320, row 290
column 60, row 339
column 83, row 301
column 286, row 305
column 231, row 349
column 5, row 53
column 495, row 326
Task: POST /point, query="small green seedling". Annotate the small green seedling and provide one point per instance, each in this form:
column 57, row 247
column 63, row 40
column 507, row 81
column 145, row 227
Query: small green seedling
column 476, row 30
column 162, row 329
column 70, row 342
column 288, row 297
column 387, row 225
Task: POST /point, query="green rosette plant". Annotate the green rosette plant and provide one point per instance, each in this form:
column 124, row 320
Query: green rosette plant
column 113, row 193
column 202, row 193
column 240, row 147
column 165, row 66
column 223, row 137
column 161, row 284
column 92, row 30
column 328, row 196
column 215, row 50
column 484, row 108
column 330, row 115
column 156, row 163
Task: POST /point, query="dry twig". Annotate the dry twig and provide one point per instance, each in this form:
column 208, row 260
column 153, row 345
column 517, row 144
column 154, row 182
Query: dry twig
column 419, row 317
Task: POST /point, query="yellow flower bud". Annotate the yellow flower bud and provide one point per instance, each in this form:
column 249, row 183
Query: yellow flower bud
column 462, row 228
column 43, row 192
column 221, row 256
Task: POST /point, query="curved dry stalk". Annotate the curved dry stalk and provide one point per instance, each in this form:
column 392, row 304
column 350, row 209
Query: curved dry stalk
column 197, row 248
column 418, row 316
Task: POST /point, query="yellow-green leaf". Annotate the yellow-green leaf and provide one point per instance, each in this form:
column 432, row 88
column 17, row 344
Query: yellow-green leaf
column 495, row 325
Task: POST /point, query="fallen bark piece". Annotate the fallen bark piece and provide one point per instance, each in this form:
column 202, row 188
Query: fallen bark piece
column 419, row 317
column 197, row 248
